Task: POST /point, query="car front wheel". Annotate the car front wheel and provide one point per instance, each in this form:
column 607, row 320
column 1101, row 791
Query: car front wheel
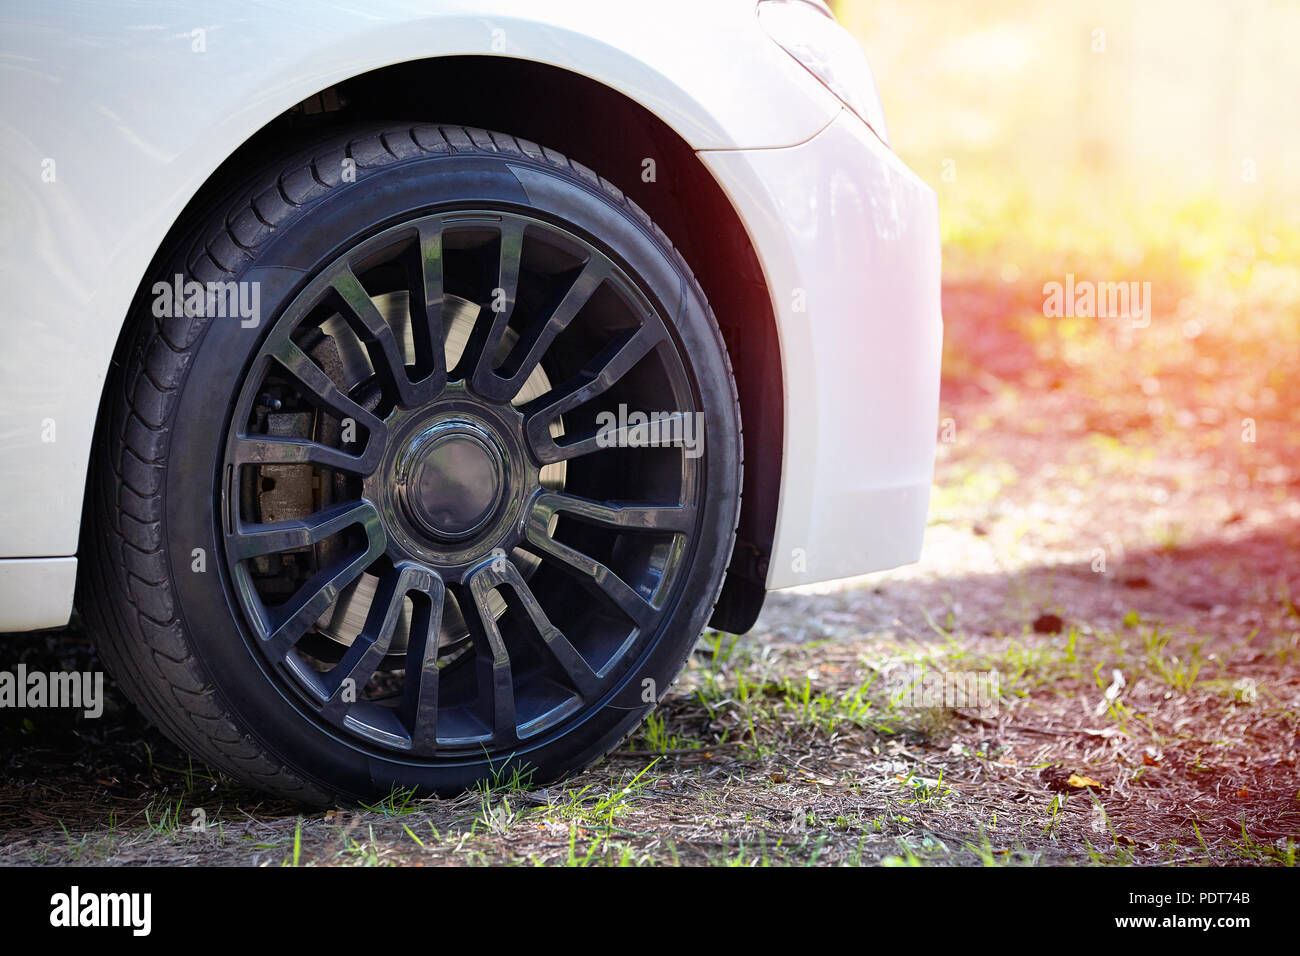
column 419, row 467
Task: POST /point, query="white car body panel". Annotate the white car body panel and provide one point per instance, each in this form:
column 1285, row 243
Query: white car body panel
column 36, row 592
column 860, row 344
column 135, row 119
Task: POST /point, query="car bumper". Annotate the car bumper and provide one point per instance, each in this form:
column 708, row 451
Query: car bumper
column 36, row 592
column 848, row 238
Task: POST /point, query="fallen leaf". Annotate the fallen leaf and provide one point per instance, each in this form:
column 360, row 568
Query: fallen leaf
column 1048, row 624
column 1082, row 782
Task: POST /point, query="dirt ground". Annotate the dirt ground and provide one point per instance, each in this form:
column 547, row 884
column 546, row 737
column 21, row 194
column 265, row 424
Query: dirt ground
column 1110, row 557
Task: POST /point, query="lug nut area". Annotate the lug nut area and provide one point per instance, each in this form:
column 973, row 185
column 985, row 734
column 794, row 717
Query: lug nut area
column 450, row 478
column 454, row 483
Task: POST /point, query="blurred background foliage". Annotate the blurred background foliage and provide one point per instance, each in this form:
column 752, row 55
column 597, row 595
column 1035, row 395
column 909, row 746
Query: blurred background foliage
column 1124, row 135
column 1156, row 141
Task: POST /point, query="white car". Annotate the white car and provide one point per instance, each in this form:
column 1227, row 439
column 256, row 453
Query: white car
column 375, row 374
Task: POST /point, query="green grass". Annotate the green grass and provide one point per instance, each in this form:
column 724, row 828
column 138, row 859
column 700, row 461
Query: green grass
column 400, row 802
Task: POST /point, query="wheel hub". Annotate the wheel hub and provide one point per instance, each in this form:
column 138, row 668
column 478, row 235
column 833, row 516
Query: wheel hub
column 449, row 479
column 454, row 485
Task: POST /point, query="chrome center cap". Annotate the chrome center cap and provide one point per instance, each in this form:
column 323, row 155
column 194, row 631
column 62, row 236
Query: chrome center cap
column 450, row 479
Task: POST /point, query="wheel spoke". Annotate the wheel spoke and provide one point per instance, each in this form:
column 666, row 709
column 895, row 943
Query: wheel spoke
column 485, row 341
column 628, row 436
column 615, row 361
column 288, row 623
column 623, row 516
column 528, row 351
column 343, row 684
column 420, row 693
column 504, row 573
column 365, row 319
column 274, row 450
column 319, row 385
column 492, row 662
column 350, row 675
column 595, row 577
column 254, row 540
column 426, row 309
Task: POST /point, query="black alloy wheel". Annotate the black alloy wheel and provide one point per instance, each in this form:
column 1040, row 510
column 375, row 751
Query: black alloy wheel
column 455, row 505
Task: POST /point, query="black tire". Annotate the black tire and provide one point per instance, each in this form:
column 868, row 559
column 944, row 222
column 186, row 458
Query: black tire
column 190, row 611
